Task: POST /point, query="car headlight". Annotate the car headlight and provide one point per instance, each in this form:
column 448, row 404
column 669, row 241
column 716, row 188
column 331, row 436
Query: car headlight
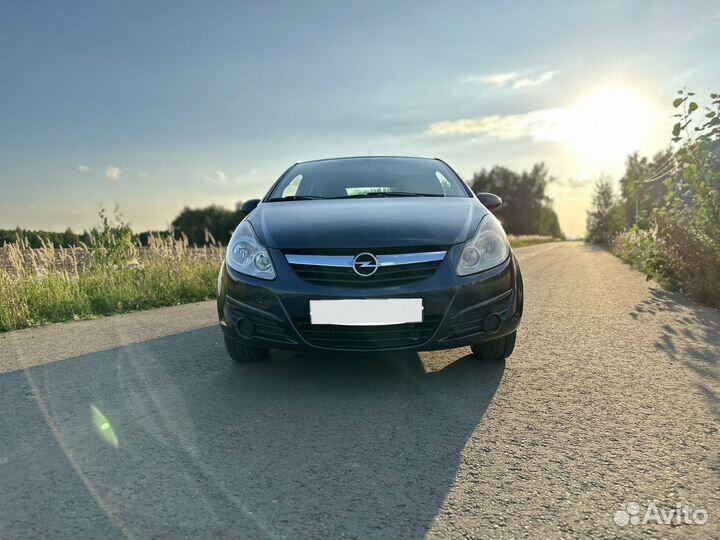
column 247, row 255
column 488, row 248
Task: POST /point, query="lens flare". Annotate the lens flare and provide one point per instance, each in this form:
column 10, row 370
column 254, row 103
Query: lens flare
column 104, row 427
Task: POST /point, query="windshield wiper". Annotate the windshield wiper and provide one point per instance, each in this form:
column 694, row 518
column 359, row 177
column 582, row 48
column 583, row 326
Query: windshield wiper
column 295, row 198
column 390, row 194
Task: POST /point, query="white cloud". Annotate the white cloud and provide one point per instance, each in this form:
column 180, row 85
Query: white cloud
column 113, row 173
column 534, row 81
column 493, row 79
column 541, row 125
column 84, row 168
column 219, row 177
column 511, row 78
column 253, row 171
column 600, row 130
column 142, row 173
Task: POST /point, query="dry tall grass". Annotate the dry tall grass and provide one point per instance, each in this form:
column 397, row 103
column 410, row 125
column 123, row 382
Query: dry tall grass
column 39, row 286
column 529, row 240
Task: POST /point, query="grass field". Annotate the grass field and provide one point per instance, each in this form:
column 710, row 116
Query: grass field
column 46, row 285
column 40, row 286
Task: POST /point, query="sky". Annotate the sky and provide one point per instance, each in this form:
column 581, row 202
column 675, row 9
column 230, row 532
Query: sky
column 154, row 106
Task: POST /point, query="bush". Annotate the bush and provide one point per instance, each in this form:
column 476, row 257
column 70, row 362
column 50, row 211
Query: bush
column 693, row 254
column 688, row 225
column 678, row 255
column 642, row 250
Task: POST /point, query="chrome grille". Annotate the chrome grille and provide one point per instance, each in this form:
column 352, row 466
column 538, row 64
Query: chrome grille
column 392, row 269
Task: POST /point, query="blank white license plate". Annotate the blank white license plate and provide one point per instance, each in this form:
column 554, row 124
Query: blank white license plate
column 366, row 312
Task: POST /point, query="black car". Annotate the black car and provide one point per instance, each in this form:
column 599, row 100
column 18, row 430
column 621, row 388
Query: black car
column 370, row 254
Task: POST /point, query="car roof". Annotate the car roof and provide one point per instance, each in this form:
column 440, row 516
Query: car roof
column 368, row 157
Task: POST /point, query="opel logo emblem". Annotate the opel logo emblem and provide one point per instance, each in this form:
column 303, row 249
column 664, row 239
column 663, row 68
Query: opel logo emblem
column 365, row 264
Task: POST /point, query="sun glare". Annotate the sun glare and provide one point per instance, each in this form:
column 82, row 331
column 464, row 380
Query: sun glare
column 608, row 125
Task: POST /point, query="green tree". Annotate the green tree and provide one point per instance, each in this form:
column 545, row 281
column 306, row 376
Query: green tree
column 606, row 217
column 642, row 188
column 526, row 207
column 548, row 224
column 202, row 225
column 69, row 238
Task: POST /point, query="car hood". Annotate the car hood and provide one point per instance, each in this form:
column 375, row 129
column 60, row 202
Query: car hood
column 371, row 223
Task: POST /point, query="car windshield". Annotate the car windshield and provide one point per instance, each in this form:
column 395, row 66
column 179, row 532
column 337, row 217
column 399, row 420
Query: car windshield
column 368, row 177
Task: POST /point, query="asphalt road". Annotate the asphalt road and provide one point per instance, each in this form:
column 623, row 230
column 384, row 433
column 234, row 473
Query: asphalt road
column 139, row 426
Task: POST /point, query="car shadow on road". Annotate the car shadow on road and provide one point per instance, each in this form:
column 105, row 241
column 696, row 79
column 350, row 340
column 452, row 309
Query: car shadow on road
column 169, row 438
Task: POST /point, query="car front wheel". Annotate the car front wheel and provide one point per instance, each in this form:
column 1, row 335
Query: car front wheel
column 244, row 354
column 497, row 349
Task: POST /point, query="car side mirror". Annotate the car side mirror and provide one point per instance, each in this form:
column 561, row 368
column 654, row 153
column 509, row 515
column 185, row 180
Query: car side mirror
column 490, row 200
column 249, row 206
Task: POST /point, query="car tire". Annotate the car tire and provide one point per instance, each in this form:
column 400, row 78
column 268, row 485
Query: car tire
column 497, row 349
column 244, row 354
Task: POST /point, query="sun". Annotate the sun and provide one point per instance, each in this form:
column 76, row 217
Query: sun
column 608, row 124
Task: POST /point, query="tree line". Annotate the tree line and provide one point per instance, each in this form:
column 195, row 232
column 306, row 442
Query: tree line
column 526, row 209
column 201, row 226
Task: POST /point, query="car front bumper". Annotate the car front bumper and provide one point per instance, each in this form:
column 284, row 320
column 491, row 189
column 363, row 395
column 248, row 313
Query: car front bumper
column 457, row 311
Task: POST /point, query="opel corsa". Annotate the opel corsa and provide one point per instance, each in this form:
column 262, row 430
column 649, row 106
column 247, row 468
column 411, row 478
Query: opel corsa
column 370, row 254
